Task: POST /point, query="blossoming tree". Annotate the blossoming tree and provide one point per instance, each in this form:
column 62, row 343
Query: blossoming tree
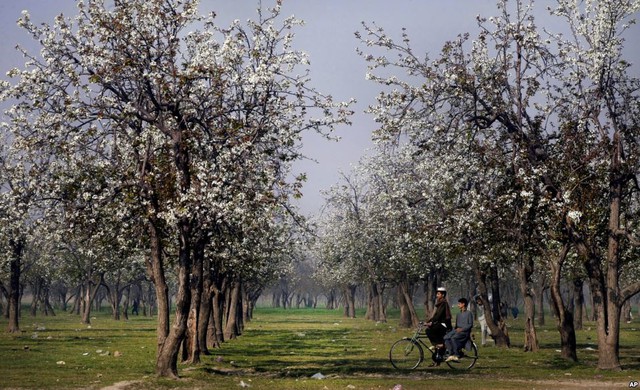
column 189, row 127
column 541, row 131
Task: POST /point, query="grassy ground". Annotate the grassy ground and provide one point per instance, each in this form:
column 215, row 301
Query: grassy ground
column 283, row 349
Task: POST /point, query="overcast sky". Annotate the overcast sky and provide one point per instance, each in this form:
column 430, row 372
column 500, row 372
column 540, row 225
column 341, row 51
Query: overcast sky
column 328, row 38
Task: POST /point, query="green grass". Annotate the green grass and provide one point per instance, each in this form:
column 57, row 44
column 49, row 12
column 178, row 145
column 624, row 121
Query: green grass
column 61, row 352
column 282, row 349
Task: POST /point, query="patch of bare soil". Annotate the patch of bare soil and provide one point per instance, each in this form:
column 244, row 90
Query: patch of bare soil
column 120, row 385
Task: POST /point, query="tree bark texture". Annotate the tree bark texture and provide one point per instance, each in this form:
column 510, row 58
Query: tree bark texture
column 408, row 315
column 90, row 292
column 531, row 343
column 578, row 303
column 204, row 315
column 349, row 293
column 232, row 329
column 495, row 322
column 164, row 365
column 13, row 299
column 565, row 317
column 538, row 290
column 375, row 304
column 219, row 287
column 430, row 293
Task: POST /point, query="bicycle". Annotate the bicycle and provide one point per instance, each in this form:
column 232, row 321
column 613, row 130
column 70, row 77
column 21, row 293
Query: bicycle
column 408, row 352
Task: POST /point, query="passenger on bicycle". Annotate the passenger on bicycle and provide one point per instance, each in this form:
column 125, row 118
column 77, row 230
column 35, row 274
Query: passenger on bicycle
column 440, row 322
column 456, row 338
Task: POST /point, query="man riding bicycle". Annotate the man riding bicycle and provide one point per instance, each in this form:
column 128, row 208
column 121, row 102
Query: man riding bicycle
column 440, row 322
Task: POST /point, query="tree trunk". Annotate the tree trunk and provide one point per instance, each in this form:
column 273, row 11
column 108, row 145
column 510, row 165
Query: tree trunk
column 381, row 305
column 283, row 293
column 231, row 329
column 429, row 293
column 495, row 322
column 375, row 307
column 349, row 293
column 191, row 349
column 626, row 312
column 5, row 294
column 90, row 292
column 204, row 321
column 168, row 354
column 114, row 302
column 525, row 271
column 565, row 318
column 36, row 287
column 218, row 309
column 252, row 299
column 46, row 304
column 247, row 303
column 77, row 301
column 100, row 296
column 65, row 302
column 608, row 297
column 190, row 343
column 155, row 266
column 211, row 339
column 125, row 304
column 592, row 316
column 205, row 307
column 496, row 302
column 331, row 299
column 607, row 300
column 538, row 290
column 114, row 296
column 13, row 299
column 150, row 301
column 607, row 315
column 408, row 316
column 578, row 303
column 166, row 363
column 218, row 318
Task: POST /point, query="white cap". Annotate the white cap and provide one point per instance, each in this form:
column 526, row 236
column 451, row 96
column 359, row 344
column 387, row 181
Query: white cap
column 441, row 289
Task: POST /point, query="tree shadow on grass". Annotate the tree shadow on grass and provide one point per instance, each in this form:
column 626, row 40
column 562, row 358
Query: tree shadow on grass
column 302, row 353
column 326, row 363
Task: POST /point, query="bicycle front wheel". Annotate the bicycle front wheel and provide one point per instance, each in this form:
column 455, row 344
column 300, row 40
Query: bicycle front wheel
column 406, row 354
column 468, row 359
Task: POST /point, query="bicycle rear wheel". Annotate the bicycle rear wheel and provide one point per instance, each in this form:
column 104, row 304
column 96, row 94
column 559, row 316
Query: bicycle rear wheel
column 406, row 354
column 468, row 359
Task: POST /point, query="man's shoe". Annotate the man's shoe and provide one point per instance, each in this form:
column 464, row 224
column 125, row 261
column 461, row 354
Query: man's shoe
column 452, row 358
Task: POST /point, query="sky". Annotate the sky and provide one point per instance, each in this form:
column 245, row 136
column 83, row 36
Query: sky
column 336, row 69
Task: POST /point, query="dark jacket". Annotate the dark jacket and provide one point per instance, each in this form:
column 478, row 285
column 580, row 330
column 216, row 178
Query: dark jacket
column 442, row 314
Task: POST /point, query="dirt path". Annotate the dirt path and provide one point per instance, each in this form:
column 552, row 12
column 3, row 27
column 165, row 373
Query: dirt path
column 571, row 384
column 526, row 384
